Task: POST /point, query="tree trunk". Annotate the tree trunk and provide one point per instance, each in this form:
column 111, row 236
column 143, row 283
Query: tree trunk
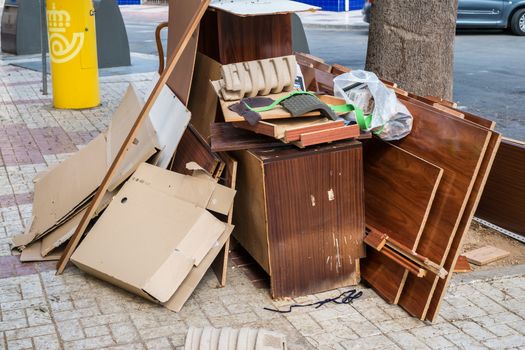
column 412, row 43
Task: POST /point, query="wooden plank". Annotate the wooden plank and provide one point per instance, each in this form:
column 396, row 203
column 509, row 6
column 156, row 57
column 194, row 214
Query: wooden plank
column 403, row 262
column 485, row 255
column 312, row 246
column 399, row 191
column 328, row 135
column 449, row 110
column 225, row 137
column 462, row 265
column 504, row 195
column 457, row 243
column 441, row 101
column 338, row 69
column 193, row 148
column 458, row 147
column 229, row 178
column 295, row 133
column 376, row 239
column 178, row 51
column 179, row 16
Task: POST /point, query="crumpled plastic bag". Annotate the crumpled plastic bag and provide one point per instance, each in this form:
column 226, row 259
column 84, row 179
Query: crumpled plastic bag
column 391, row 120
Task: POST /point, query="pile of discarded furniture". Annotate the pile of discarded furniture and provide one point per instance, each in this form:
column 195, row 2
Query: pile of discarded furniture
column 267, row 156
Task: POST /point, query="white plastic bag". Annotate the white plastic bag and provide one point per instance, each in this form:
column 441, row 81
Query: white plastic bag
column 391, row 120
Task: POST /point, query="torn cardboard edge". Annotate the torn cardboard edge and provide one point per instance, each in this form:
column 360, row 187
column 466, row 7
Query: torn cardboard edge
column 160, row 231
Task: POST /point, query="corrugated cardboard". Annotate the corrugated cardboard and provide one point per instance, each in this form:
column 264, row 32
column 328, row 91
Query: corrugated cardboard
column 67, row 188
column 32, row 253
column 155, row 231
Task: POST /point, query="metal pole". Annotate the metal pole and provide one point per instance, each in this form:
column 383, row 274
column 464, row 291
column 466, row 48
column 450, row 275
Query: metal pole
column 43, row 44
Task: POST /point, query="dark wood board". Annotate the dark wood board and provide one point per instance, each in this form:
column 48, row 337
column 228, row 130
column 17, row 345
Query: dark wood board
column 503, row 201
column 225, row 137
column 462, row 265
column 312, row 246
column 180, row 12
column 193, row 148
column 464, row 225
column 230, row 39
column 458, row 147
column 399, row 191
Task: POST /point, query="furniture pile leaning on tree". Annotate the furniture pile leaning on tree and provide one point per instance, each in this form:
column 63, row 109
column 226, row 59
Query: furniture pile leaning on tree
column 318, row 202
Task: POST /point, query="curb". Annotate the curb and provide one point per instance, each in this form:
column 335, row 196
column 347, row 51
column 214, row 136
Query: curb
column 490, row 274
column 341, row 27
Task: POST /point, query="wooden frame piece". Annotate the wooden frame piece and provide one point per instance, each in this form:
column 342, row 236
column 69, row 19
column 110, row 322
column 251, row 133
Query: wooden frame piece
column 178, row 51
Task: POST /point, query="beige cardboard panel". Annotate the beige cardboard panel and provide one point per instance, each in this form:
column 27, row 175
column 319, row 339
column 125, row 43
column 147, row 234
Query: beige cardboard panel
column 68, row 184
column 201, row 190
column 137, row 233
column 25, row 238
column 169, row 118
column 169, row 276
column 185, row 290
column 199, row 240
column 145, row 143
column 57, row 237
column 32, row 253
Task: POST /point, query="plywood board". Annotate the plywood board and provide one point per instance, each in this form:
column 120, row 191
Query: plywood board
column 462, row 265
column 328, row 135
column 399, row 192
column 458, row 147
column 485, row 255
column 503, row 200
column 457, row 243
column 179, row 17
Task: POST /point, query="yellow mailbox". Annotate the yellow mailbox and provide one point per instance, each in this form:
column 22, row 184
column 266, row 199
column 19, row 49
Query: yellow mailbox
column 73, row 53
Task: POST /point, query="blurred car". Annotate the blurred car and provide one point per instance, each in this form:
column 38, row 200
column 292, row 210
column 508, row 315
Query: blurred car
column 493, row 14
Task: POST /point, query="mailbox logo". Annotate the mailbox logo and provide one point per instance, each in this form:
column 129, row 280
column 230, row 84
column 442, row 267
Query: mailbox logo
column 61, row 48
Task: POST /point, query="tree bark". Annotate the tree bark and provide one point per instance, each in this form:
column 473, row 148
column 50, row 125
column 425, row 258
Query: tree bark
column 412, row 43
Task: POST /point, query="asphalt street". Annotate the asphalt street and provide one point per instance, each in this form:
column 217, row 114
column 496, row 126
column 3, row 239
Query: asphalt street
column 489, row 73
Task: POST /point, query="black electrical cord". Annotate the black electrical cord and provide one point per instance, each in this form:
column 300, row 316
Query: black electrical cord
column 344, row 298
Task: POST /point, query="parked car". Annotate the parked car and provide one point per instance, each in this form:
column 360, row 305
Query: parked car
column 499, row 14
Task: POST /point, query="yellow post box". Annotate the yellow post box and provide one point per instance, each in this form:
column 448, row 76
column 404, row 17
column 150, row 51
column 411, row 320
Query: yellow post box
column 73, row 53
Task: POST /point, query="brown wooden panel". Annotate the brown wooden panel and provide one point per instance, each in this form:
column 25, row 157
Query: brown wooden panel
column 464, row 225
column 503, row 200
column 399, row 191
column 383, row 275
column 225, row 137
column 180, row 12
column 328, row 135
column 249, row 210
column 193, row 148
column 203, row 100
column 312, row 246
column 254, row 37
column 458, row 147
column 462, row 266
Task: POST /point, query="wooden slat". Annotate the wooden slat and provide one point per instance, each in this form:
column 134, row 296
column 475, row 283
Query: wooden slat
column 295, row 133
column 462, row 266
column 178, row 51
column 503, row 200
column 399, row 192
column 193, row 148
column 328, row 135
column 457, row 243
column 229, row 178
column 225, row 137
column 458, row 147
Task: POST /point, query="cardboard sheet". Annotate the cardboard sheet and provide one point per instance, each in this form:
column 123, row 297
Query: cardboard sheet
column 32, row 253
column 65, row 189
column 155, row 230
column 169, row 118
column 261, row 7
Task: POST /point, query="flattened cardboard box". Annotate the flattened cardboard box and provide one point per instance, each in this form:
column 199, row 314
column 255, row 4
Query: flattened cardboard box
column 155, row 232
column 66, row 189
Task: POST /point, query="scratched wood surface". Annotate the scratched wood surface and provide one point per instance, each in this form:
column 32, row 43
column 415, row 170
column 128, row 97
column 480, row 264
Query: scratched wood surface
column 226, row 137
column 399, row 191
column 193, row 148
column 458, row 147
column 503, row 200
column 312, row 246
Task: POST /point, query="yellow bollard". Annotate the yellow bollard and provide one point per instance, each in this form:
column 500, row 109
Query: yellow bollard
column 73, row 53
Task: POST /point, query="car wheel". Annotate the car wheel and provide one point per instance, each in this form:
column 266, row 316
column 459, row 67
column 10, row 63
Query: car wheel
column 517, row 22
